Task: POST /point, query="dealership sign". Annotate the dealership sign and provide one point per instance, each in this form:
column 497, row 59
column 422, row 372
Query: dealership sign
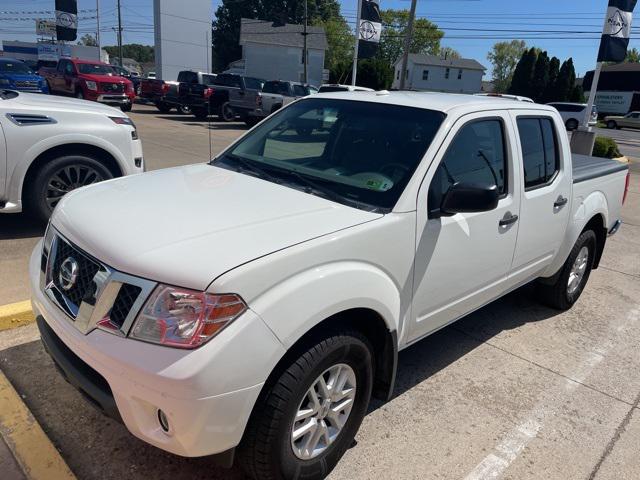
column 614, row 102
column 52, row 52
column 46, row 28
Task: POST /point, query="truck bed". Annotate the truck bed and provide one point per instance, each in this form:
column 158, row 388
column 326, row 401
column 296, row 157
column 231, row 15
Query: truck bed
column 586, row 167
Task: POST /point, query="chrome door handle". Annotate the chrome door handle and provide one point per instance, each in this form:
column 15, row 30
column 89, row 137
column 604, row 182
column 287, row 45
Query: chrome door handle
column 508, row 220
column 560, row 202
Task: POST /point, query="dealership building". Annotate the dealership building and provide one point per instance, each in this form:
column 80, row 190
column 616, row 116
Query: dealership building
column 618, row 88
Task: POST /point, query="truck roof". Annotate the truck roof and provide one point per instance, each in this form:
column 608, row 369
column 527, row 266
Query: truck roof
column 442, row 102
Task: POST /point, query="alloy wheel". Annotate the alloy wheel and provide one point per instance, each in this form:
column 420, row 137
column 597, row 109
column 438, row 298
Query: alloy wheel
column 69, row 178
column 578, row 270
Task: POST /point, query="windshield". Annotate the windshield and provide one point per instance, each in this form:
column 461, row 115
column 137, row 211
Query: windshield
column 358, row 153
column 15, row 67
column 95, row 69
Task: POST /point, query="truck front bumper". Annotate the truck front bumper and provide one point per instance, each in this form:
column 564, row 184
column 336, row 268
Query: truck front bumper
column 132, row 381
column 113, row 99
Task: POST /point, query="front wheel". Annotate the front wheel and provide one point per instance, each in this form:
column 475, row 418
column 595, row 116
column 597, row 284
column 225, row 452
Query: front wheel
column 163, row 107
column 184, row 110
column 309, row 415
column 569, row 284
column 59, row 177
column 126, row 107
column 572, row 124
column 612, row 125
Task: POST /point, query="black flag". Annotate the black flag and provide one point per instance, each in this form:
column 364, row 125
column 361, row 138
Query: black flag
column 617, row 28
column 369, row 29
column 67, row 19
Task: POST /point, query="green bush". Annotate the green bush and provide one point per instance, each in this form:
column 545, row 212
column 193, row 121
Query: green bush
column 606, row 148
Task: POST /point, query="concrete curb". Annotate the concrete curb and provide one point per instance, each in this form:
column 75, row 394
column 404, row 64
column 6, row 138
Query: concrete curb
column 30, row 446
column 16, row 315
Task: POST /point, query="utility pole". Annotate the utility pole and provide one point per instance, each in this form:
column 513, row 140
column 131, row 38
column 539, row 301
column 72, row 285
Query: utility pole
column 407, row 44
column 354, row 72
column 592, row 96
column 304, row 53
column 119, row 34
column 98, row 27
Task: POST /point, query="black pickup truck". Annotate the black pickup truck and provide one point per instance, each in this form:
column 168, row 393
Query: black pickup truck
column 166, row 95
column 229, row 96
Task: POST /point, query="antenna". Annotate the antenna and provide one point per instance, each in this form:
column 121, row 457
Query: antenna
column 207, row 52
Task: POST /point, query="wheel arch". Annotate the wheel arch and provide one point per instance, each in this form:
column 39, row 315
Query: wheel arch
column 597, row 225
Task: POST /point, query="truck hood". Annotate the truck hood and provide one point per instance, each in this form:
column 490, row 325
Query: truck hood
column 46, row 103
column 103, row 78
column 186, row 226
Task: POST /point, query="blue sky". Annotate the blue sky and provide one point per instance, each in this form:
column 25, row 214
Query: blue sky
column 471, row 26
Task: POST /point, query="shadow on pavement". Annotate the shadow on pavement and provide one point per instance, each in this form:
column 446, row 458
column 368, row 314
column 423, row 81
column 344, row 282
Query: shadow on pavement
column 20, row 225
column 97, row 447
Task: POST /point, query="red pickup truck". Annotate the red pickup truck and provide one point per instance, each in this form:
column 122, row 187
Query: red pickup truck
column 90, row 80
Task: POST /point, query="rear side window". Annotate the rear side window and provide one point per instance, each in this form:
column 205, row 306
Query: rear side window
column 300, row 91
column 476, row 155
column 253, row 83
column 188, row 77
column 539, row 150
column 279, row 88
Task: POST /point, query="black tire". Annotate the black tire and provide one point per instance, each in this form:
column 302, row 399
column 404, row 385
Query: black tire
column 184, row 110
column 126, row 107
column 200, row 113
column 36, row 192
column 612, row 125
column 226, row 113
column 163, row 107
column 557, row 295
column 79, row 94
column 266, row 451
column 572, row 124
column 275, row 108
column 251, row 121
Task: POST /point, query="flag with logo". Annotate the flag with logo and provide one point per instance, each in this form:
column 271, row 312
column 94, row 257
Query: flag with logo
column 67, row 19
column 617, row 28
column 369, row 29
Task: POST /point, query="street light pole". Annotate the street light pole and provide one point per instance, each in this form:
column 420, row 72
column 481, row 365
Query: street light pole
column 119, row 34
column 407, row 44
column 98, row 27
column 354, row 71
column 304, row 53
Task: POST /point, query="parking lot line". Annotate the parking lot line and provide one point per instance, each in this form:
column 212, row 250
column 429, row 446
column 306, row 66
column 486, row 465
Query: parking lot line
column 15, row 315
column 30, row 446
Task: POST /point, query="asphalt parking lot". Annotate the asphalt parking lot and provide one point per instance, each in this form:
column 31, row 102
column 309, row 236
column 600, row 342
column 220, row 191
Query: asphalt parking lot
column 514, row 391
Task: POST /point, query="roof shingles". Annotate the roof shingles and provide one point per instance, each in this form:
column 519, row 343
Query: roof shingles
column 288, row 35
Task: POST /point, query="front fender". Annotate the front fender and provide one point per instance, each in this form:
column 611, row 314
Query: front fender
column 34, row 151
column 299, row 303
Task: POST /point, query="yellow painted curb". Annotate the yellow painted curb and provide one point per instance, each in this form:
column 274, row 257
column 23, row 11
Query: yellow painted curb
column 15, row 315
column 30, row 446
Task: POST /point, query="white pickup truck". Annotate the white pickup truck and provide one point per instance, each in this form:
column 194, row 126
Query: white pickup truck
column 52, row 145
column 253, row 305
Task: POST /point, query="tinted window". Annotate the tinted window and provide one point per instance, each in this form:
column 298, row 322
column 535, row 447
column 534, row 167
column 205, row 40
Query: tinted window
column 14, row 67
column 95, row 69
column 279, row 88
column 300, row 91
column 253, row 83
column 539, row 150
column 476, row 155
column 360, row 152
column 333, row 89
column 188, row 77
column 567, row 108
column 208, row 79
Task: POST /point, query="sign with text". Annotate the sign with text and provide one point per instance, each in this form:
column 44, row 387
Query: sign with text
column 614, row 102
column 46, row 28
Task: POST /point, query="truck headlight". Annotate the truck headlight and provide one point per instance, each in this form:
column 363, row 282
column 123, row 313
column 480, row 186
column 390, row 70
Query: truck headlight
column 183, row 318
column 91, row 85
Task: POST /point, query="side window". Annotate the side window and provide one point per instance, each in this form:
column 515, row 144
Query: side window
column 476, row 155
column 539, row 150
column 69, row 68
column 299, row 91
column 447, row 73
column 61, row 65
column 425, row 74
column 460, row 74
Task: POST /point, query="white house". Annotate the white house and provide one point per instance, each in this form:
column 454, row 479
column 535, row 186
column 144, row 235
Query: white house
column 430, row 72
column 275, row 52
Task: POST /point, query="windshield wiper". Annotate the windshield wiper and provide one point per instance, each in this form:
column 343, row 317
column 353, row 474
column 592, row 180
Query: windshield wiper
column 250, row 166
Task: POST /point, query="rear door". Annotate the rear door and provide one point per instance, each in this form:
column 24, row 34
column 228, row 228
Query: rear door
column 463, row 261
column 546, row 191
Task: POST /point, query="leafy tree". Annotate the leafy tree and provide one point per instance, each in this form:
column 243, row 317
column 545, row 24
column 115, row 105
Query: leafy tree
column 566, row 81
column 523, row 74
column 425, row 39
column 375, row 73
column 540, row 78
column 448, row 52
column 504, row 56
column 633, row 56
column 577, row 94
column 549, row 94
column 140, row 53
column 88, row 40
column 339, row 56
column 226, row 26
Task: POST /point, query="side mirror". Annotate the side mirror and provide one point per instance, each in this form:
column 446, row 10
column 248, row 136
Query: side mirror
column 469, row 197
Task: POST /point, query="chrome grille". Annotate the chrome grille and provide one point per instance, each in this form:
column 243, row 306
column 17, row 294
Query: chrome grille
column 27, row 84
column 92, row 294
column 113, row 87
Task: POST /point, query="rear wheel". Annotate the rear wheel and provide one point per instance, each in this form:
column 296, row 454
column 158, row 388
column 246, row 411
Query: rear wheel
column 569, row 284
column 307, row 418
column 59, row 177
column 251, row 121
column 572, row 124
column 184, row 110
column 226, row 113
column 612, row 125
column 126, row 107
column 163, row 107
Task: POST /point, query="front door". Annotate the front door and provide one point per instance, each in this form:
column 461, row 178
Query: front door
column 546, row 192
column 463, row 261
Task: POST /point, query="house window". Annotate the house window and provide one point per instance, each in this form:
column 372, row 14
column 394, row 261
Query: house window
column 425, row 74
column 460, row 74
column 447, row 73
column 398, row 75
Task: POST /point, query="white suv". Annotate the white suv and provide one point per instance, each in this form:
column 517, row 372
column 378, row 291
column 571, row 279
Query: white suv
column 573, row 114
column 51, row 145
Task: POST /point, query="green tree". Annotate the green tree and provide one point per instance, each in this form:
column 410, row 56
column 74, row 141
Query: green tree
column 375, row 73
column 577, row 94
column 339, row 56
column 504, row 57
column 88, row 40
column 633, row 56
column 425, row 39
column 140, row 53
column 451, row 53
column 523, row 74
column 226, row 26
column 549, row 94
column 566, row 81
column 540, row 79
